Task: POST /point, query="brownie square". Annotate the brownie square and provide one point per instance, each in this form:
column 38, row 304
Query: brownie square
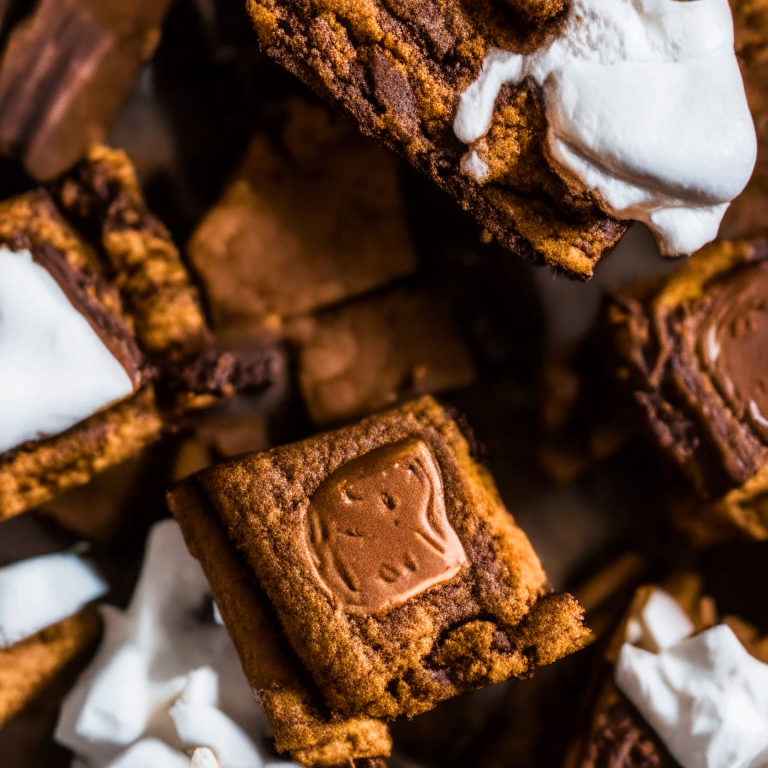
column 377, row 351
column 312, row 217
column 118, row 268
column 64, row 74
column 395, row 573
column 692, row 349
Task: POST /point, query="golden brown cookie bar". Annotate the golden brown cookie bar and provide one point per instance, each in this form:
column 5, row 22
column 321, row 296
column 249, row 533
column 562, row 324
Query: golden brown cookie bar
column 618, row 735
column 112, row 266
column 394, row 572
column 377, row 351
column 398, row 69
column 692, row 349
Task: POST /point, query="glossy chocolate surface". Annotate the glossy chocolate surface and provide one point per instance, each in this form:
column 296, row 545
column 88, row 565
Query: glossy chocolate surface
column 378, row 531
column 735, row 343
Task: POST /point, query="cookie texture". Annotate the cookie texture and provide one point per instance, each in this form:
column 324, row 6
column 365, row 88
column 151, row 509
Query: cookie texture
column 301, row 722
column 398, row 66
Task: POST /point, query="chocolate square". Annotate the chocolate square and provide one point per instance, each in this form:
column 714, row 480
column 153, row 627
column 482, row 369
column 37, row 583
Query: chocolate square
column 396, row 574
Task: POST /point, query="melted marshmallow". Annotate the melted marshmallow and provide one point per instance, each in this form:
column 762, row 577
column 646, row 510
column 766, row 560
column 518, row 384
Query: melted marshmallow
column 705, row 696
column 54, row 369
column 166, row 680
column 645, row 104
column 42, row 591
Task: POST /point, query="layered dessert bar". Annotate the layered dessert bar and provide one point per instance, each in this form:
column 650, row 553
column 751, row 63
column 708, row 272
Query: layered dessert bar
column 692, row 349
column 370, row 573
column 45, row 623
column 673, row 675
column 548, row 120
column 103, row 339
column 65, row 72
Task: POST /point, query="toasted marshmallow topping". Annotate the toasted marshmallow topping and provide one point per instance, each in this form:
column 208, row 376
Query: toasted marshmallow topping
column 42, row 591
column 55, row 371
column 166, row 681
column 705, row 696
column 645, row 105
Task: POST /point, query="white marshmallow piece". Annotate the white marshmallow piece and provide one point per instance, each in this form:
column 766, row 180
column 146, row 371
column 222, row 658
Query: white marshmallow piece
column 150, row 753
column 165, row 672
column 705, row 697
column 55, row 371
column 660, row 624
column 202, row 757
column 42, row 591
column 645, row 105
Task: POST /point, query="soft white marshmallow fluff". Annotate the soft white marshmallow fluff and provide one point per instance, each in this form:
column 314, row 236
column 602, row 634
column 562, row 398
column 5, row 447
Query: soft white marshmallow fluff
column 54, row 369
column 705, row 696
column 166, row 685
column 42, row 591
column 645, row 104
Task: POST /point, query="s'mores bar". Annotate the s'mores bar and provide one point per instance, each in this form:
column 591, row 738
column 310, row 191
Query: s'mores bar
column 103, row 341
column 550, row 121
column 672, row 674
column 692, row 349
column 370, row 573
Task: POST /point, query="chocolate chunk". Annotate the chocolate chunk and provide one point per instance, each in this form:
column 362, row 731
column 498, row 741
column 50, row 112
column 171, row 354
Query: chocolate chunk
column 65, row 73
column 378, row 528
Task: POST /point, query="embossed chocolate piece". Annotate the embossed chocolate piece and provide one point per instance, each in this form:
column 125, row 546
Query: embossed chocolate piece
column 735, row 344
column 377, row 528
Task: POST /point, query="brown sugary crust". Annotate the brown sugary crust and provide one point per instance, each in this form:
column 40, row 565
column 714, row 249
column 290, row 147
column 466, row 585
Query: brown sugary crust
column 29, row 666
column 102, row 196
column 398, row 67
column 301, row 723
column 36, row 472
column 495, row 619
column 721, row 454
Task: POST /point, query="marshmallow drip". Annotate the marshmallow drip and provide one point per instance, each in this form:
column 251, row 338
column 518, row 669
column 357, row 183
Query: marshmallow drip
column 705, row 696
column 645, row 105
column 55, row 371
